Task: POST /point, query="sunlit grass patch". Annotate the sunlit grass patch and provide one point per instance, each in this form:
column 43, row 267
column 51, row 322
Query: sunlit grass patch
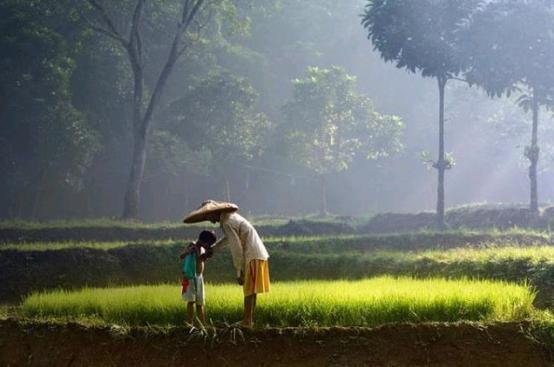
column 492, row 252
column 506, row 262
column 304, row 303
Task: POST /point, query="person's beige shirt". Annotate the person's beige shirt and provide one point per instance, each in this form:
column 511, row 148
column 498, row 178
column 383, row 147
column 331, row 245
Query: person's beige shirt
column 243, row 240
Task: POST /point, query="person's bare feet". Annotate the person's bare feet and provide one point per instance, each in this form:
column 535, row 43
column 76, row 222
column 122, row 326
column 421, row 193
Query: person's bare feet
column 247, row 324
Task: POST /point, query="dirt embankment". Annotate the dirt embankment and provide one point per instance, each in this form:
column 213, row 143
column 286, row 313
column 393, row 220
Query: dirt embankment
column 474, row 218
column 394, row 345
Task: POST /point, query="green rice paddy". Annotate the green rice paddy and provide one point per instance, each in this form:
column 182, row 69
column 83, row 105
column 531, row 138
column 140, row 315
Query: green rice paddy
column 366, row 302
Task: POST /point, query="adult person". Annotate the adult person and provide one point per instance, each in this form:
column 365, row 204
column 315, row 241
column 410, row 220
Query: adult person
column 250, row 257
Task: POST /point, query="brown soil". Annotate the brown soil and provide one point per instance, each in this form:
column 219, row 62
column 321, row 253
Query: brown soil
column 32, row 344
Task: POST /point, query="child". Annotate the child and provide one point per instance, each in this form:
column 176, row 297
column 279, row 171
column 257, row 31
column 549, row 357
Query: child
column 193, row 258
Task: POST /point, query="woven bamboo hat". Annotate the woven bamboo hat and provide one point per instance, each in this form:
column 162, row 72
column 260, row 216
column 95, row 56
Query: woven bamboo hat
column 207, row 208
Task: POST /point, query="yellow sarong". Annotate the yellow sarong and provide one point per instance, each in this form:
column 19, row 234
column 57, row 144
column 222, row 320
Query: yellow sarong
column 256, row 277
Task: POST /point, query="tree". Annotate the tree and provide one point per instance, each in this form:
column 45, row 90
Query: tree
column 422, row 36
column 188, row 26
column 327, row 124
column 511, row 44
column 102, row 91
column 46, row 144
column 218, row 120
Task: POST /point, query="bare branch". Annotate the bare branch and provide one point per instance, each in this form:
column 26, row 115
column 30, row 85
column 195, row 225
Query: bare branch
column 112, row 30
column 135, row 39
column 172, row 57
column 193, row 12
column 102, row 30
column 189, row 12
column 135, row 36
column 139, row 45
column 187, row 19
column 458, row 79
column 186, row 5
column 137, row 14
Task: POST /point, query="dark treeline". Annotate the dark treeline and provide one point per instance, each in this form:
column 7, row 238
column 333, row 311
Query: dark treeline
column 279, row 105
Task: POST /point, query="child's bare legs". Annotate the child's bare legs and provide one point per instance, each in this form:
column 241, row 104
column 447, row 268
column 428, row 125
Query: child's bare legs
column 201, row 314
column 190, row 312
column 249, row 306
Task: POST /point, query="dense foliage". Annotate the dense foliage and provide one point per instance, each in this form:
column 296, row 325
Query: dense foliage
column 327, row 125
column 46, row 144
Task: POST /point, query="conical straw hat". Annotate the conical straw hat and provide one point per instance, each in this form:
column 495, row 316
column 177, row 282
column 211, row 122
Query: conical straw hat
column 207, row 208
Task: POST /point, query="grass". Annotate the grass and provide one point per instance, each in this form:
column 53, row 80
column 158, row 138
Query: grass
column 114, row 231
column 298, row 243
column 533, row 254
column 300, row 259
column 512, row 263
column 61, row 245
column 366, row 302
column 137, row 224
column 333, row 243
column 85, row 223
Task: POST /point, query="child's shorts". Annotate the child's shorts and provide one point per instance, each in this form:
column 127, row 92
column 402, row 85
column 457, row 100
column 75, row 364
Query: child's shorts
column 195, row 291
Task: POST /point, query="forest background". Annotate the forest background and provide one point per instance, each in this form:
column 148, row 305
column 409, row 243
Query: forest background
column 227, row 125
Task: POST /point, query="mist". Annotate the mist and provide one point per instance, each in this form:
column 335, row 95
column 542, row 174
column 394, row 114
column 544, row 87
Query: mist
column 75, row 163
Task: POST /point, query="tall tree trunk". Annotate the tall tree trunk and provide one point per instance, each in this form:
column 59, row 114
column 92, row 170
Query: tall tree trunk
column 141, row 123
column 323, row 204
column 441, row 163
column 533, row 155
column 132, row 195
column 133, row 46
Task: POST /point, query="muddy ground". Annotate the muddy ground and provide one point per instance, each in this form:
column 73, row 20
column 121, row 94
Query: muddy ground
column 41, row 344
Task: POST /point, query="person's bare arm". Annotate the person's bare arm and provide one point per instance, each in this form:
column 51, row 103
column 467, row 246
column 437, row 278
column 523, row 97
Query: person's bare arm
column 186, row 250
column 220, row 244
